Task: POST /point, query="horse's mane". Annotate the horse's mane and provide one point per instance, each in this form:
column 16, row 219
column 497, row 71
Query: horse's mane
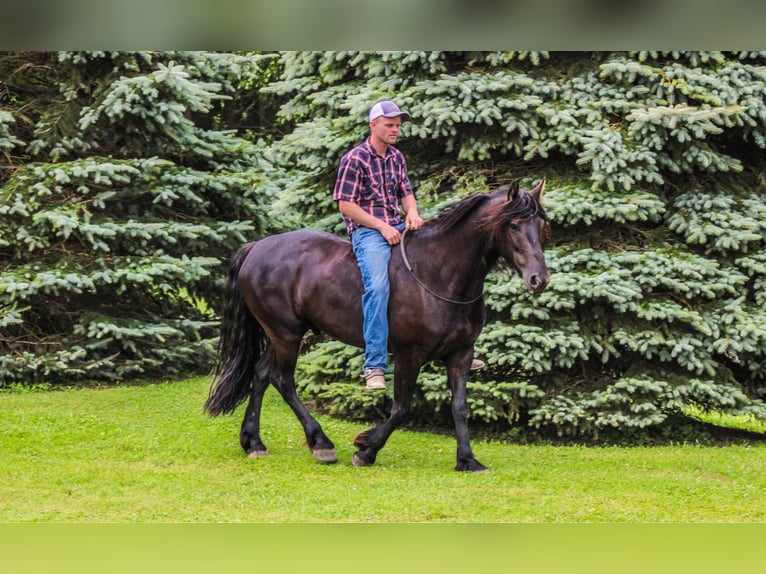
column 523, row 206
column 458, row 212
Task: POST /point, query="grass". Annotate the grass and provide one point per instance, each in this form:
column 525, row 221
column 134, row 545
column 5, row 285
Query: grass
column 744, row 423
column 148, row 454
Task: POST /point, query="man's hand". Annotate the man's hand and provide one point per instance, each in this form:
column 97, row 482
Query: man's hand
column 413, row 220
column 390, row 234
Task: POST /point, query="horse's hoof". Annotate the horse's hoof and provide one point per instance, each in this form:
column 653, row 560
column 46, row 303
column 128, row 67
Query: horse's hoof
column 325, row 455
column 357, row 460
column 257, row 453
column 474, row 466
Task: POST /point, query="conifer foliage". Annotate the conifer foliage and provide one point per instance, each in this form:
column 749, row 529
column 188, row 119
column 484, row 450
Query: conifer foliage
column 655, row 170
column 119, row 204
column 123, row 195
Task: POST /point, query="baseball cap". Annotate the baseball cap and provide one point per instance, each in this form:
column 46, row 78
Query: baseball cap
column 387, row 109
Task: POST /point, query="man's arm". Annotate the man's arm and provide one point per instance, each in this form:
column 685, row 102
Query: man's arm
column 413, row 219
column 360, row 216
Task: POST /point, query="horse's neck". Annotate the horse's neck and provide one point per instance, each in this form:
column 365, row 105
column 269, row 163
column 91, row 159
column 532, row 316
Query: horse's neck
column 457, row 260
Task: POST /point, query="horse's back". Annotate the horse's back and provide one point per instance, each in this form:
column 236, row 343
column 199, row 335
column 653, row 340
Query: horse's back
column 295, row 256
column 304, row 279
column 299, row 242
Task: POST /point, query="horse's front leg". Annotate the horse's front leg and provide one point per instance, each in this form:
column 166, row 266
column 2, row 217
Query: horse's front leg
column 458, row 367
column 372, row 440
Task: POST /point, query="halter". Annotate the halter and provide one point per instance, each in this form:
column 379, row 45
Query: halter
column 424, row 286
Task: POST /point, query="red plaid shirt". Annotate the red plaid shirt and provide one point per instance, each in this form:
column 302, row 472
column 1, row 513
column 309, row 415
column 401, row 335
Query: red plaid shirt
column 373, row 182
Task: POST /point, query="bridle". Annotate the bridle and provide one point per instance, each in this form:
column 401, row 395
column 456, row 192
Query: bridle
column 424, row 286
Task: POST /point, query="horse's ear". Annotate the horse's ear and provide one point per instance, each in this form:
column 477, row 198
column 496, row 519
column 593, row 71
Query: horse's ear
column 513, row 190
column 537, row 192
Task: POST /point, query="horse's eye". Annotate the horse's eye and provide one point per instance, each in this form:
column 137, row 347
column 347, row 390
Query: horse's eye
column 515, row 227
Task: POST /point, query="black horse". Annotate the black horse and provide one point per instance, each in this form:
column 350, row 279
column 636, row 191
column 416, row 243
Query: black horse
column 284, row 285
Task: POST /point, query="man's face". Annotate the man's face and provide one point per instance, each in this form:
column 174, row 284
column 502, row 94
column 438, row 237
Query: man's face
column 386, row 130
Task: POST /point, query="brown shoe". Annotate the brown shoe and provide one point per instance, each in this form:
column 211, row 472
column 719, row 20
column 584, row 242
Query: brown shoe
column 374, row 379
column 477, row 364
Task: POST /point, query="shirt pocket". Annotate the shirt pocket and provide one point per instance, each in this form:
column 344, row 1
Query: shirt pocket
column 373, row 187
column 372, row 190
column 393, row 181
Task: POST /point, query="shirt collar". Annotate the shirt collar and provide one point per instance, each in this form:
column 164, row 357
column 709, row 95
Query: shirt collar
column 373, row 151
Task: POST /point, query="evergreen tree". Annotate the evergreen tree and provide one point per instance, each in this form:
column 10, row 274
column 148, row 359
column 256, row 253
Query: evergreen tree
column 125, row 189
column 654, row 162
column 120, row 202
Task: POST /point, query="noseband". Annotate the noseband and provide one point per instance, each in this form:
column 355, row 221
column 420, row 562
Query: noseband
column 424, row 286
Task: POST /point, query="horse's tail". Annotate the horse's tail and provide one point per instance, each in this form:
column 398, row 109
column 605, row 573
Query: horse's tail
column 241, row 344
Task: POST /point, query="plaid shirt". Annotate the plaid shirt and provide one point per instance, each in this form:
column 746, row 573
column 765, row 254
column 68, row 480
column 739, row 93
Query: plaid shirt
column 373, row 182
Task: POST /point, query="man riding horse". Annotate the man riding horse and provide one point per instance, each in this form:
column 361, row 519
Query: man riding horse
column 372, row 182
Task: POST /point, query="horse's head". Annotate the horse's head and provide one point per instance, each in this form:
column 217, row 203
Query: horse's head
column 519, row 226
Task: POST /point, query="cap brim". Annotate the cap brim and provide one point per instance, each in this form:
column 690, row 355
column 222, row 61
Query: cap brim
column 401, row 114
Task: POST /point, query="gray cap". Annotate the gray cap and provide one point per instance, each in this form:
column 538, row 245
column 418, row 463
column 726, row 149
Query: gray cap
column 387, row 109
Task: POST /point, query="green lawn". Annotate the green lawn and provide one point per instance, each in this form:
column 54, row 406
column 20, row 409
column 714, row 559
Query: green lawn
column 148, row 454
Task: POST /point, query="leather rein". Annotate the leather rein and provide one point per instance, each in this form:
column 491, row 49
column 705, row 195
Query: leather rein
column 424, row 286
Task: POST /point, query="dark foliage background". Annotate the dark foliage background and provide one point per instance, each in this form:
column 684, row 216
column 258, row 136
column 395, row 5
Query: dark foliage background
column 129, row 178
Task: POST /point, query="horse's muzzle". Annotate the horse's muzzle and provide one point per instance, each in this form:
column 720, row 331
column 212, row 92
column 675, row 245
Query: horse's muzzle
column 537, row 283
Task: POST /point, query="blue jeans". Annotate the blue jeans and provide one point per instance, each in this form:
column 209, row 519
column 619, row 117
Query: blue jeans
column 372, row 255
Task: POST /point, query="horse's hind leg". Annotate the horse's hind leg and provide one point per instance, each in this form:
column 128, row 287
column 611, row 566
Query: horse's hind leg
column 283, row 378
column 249, row 435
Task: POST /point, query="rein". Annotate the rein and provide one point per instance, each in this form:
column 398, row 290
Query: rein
column 424, row 286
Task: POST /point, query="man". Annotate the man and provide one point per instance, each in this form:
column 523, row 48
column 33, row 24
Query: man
column 371, row 190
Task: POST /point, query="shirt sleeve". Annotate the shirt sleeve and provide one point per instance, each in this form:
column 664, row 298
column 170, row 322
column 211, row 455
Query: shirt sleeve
column 348, row 182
